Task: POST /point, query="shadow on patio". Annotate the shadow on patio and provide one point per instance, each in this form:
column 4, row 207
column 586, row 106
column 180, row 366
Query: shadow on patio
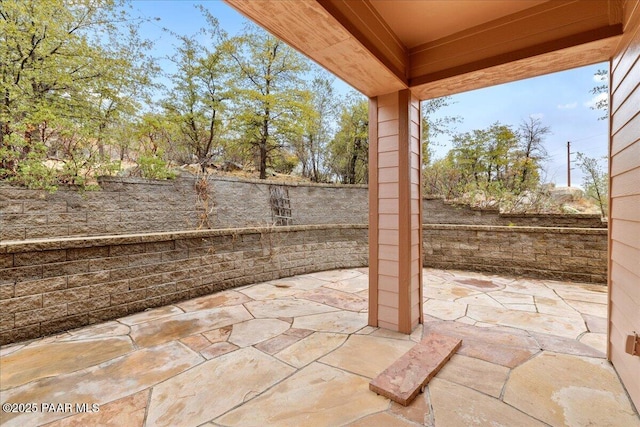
column 298, row 351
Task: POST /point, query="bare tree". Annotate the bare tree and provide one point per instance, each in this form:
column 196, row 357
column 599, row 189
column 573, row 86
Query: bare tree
column 532, row 133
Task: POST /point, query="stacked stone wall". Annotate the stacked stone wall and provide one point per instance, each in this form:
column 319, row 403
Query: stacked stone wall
column 69, row 259
column 47, row 286
column 51, row 285
column 439, row 211
column 129, row 205
column 577, row 254
column 119, row 207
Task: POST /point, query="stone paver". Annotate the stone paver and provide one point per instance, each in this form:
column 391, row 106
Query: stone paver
column 268, row 291
column 474, row 373
column 455, row 405
column 381, row 419
column 596, row 341
column 353, row 285
column 100, row 330
column 336, row 298
column 101, row 383
column 346, row 322
column 367, row 355
column 298, row 351
column 560, row 389
column 255, row 331
column 128, row 411
column 35, row 362
column 149, row 315
column 218, row 349
column 536, row 322
column 311, row 348
column 286, row 308
column 214, row 387
column 218, row 335
column 179, row 326
column 587, row 307
column 596, row 324
column 568, row 346
column 407, row 376
column 417, row 411
column 445, row 310
column 318, row 395
column 216, row 300
column 502, row 347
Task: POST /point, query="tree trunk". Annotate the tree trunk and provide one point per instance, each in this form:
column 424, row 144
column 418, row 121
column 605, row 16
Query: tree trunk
column 263, row 159
column 265, row 140
column 351, row 168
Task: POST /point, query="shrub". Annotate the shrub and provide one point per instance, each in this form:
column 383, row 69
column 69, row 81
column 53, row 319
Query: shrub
column 154, row 167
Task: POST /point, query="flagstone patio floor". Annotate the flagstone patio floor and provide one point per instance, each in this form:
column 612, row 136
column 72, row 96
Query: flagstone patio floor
column 298, row 352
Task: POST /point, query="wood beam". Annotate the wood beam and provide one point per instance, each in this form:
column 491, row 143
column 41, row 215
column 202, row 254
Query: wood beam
column 547, row 27
column 520, row 54
column 555, row 61
column 370, row 66
column 352, row 40
column 370, row 29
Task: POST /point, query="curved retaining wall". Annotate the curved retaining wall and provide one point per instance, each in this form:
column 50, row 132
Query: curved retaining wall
column 560, row 253
column 47, row 286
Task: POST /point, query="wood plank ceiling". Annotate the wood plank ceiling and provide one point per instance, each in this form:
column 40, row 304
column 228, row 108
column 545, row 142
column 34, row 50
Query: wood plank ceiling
column 441, row 47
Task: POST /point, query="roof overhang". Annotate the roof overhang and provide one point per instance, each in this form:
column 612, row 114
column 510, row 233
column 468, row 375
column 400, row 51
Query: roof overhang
column 441, row 47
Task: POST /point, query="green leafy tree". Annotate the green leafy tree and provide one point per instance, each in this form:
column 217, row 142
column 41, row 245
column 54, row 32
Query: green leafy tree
column 152, row 133
column 197, row 102
column 501, row 144
column 490, row 159
column 311, row 148
column 442, row 178
column 468, row 154
column 150, row 141
column 595, row 181
column 272, row 100
column 349, row 150
column 70, row 72
column 433, row 125
column 495, row 165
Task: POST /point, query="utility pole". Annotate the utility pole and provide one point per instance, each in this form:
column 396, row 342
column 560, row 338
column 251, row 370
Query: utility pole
column 568, row 163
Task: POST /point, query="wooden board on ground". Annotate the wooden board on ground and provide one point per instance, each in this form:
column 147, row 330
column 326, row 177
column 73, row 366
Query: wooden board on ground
column 407, row 376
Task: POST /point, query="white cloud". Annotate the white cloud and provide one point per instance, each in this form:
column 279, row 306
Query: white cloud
column 570, row 106
column 599, row 78
column 597, row 98
column 538, row 116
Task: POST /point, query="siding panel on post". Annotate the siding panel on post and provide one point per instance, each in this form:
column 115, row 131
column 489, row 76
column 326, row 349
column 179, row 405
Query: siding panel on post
column 624, row 271
column 395, row 243
column 404, row 226
column 373, row 212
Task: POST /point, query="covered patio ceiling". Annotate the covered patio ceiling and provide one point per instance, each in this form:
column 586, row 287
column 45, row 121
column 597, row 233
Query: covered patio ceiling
column 442, row 47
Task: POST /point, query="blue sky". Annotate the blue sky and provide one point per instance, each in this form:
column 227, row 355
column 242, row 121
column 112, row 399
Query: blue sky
column 560, row 100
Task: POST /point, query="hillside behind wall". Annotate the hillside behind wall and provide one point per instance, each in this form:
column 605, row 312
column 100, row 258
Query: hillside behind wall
column 129, row 205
